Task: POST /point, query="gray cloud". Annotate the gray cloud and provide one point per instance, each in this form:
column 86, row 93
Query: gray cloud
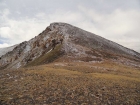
column 115, row 20
column 120, row 26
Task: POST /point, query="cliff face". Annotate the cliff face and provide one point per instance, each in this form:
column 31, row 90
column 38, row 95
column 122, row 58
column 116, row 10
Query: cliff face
column 68, row 43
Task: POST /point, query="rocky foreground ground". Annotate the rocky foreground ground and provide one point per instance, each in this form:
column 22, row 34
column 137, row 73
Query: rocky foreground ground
column 71, row 84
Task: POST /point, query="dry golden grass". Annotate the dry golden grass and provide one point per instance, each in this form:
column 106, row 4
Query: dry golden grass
column 77, row 83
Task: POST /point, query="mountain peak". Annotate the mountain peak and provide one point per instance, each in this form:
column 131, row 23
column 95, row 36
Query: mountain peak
column 59, row 24
column 64, row 42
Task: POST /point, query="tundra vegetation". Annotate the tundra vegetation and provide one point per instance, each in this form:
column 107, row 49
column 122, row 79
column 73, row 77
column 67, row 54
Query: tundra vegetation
column 71, row 83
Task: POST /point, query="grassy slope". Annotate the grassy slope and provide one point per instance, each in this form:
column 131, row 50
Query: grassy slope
column 71, row 84
column 47, row 57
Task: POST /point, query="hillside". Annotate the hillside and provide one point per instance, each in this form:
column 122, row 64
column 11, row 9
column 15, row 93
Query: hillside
column 61, row 40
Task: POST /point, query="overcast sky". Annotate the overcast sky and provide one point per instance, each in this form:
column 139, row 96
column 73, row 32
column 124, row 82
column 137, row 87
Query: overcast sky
column 116, row 20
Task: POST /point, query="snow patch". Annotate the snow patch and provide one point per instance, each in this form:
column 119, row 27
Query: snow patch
column 28, row 48
column 49, row 50
column 60, row 64
column 46, row 37
column 18, row 65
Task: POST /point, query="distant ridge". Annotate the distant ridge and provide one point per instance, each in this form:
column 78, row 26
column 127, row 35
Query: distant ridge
column 3, row 51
